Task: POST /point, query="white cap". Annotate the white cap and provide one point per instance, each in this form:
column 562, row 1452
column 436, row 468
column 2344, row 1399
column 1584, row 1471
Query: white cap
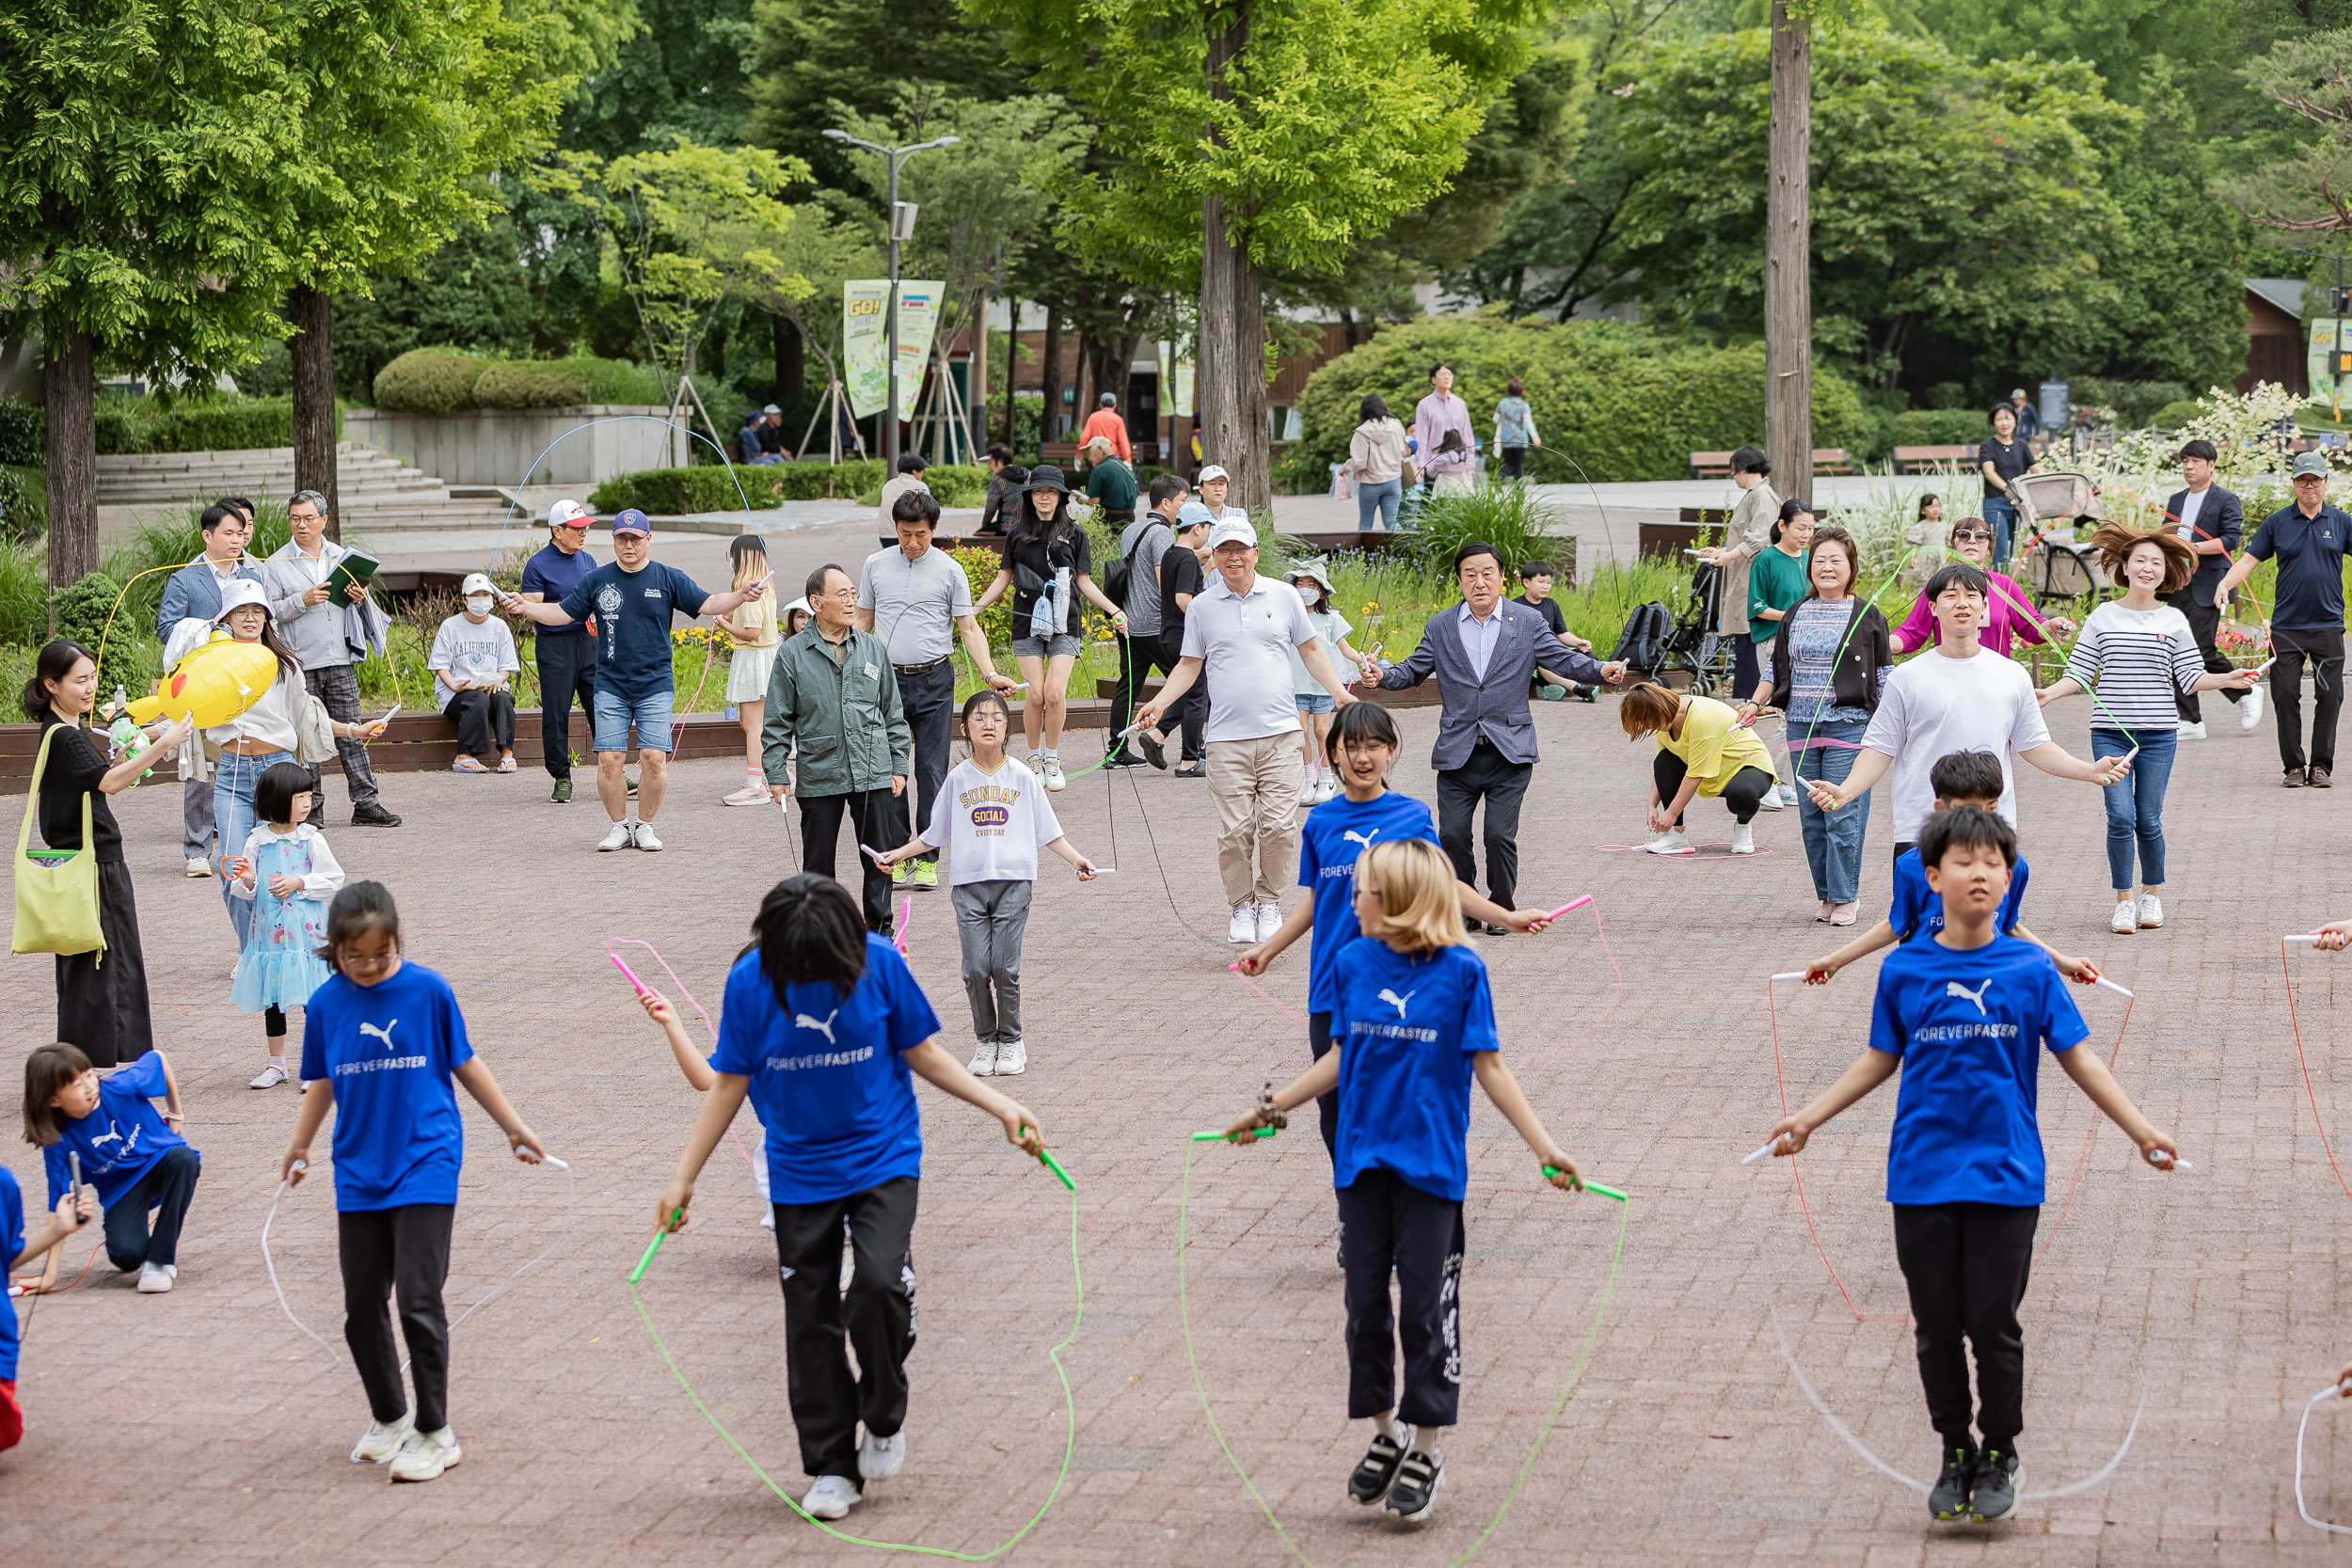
column 569, row 514
column 1213, row 471
column 476, row 582
column 1233, row 531
column 240, row 590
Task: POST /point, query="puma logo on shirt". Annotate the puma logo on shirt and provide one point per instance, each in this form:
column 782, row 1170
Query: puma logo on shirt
column 824, row 1025
column 1397, row 1001
column 383, row 1034
column 114, row 1135
column 1953, row 988
column 1352, row 837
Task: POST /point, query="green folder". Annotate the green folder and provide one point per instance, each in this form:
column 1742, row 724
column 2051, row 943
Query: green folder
column 352, row 568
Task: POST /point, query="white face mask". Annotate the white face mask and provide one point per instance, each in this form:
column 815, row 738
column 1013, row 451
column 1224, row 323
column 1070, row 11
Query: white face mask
column 478, row 604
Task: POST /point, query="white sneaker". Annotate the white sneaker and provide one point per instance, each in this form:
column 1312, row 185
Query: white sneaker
column 200, row 866
column 1269, row 921
column 153, row 1279
column 425, row 1455
column 268, row 1078
column 1054, row 781
column 1743, row 838
column 1673, row 842
column 750, row 795
column 2190, row 732
column 2125, row 919
column 2151, row 912
column 1787, row 794
column 1013, row 1058
column 2249, row 708
column 983, row 1062
column 1772, row 800
column 1245, row 926
column 617, row 839
column 1843, row 914
column 831, row 1497
column 382, row 1440
column 646, row 840
column 879, row 1458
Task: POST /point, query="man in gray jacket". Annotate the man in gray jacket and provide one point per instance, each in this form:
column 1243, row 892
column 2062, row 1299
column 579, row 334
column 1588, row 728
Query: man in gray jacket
column 1482, row 653
column 193, row 593
column 315, row 624
column 833, row 695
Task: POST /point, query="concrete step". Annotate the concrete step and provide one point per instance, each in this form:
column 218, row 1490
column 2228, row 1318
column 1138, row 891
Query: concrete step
column 174, row 478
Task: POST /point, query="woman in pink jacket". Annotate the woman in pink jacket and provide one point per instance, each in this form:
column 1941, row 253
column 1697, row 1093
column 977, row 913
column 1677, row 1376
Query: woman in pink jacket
column 2010, row 615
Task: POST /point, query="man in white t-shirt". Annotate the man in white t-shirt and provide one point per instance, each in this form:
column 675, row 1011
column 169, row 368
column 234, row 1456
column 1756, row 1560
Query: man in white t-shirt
column 1242, row 629
column 1961, row 696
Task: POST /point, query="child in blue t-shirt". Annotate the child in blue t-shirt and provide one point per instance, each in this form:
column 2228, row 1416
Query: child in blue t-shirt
column 1362, row 744
column 382, row 1042
column 129, row 1153
column 1418, row 1023
column 1964, row 1014
column 825, row 1030
column 1959, row 779
column 15, row 1247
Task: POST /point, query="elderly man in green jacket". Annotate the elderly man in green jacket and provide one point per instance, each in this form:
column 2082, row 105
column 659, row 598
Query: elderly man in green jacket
column 834, row 696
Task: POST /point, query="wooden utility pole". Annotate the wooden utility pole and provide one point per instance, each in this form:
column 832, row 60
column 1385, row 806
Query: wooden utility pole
column 1788, row 259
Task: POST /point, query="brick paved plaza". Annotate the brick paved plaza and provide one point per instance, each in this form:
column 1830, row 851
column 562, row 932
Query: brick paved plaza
column 202, row 1427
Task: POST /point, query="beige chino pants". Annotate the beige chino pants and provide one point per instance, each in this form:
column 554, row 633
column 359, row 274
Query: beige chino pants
column 1256, row 784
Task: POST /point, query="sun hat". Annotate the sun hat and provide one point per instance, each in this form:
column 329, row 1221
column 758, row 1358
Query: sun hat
column 1233, row 531
column 238, row 591
column 1046, row 477
column 1314, row 571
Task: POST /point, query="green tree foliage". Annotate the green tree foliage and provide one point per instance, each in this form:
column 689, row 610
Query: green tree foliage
column 1624, row 403
column 682, row 75
column 473, row 291
column 820, row 63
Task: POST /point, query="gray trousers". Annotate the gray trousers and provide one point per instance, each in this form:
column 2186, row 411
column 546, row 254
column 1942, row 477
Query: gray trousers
column 195, row 818
column 991, row 918
column 336, row 688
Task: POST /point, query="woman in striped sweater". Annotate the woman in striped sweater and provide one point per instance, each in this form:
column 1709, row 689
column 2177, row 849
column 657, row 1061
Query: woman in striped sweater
column 2133, row 652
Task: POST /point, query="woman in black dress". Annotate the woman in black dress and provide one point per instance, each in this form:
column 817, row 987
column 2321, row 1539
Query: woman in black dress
column 102, row 996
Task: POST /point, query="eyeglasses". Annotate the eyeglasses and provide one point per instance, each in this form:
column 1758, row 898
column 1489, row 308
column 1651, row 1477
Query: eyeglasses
column 1962, row 535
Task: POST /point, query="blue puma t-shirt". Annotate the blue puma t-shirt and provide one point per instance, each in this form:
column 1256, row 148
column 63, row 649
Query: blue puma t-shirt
column 1969, row 1028
column 1914, row 910
column 388, row 1052
column 1409, row 1025
column 1337, row 834
column 829, row 1074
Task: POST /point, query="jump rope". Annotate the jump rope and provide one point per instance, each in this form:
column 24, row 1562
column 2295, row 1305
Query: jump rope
column 1070, row 1406
column 2332, row 1391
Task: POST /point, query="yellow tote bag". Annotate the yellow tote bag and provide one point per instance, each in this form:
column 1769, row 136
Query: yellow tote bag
column 56, row 891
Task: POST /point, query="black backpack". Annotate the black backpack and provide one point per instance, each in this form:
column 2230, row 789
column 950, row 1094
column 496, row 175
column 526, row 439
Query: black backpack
column 1116, row 577
column 1643, row 643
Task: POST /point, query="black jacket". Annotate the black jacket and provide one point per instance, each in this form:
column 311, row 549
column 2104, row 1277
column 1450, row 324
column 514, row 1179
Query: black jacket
column 2219, row 516
column 1870, row 652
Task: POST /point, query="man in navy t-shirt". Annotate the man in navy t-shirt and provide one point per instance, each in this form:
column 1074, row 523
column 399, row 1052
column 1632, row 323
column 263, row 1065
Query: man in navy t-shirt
column 1965, row 1015
column 567, row 654
column 632, row 600
column 2310, row 541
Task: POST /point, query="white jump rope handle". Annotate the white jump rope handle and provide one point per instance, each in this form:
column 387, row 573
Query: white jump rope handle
column 2304, row 941
column 1766, row 1151
column 2105, row 984
column 2159, row 1159
column 1792, row 974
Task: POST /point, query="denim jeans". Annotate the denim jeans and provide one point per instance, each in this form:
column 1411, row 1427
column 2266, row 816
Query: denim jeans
column 1381, row 498
column 1832, row 840
column 2001, row 513
column 2136, row 807
column 232, row 813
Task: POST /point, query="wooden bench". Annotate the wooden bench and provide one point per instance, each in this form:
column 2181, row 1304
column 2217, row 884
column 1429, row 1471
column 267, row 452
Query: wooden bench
column 1061, row 454
column 1717, row 465
column 1920, row 460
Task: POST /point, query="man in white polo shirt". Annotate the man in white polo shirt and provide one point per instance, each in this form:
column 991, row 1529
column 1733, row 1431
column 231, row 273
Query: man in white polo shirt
column 1243, row 627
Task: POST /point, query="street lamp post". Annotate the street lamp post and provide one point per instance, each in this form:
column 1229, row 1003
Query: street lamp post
column 901, row 228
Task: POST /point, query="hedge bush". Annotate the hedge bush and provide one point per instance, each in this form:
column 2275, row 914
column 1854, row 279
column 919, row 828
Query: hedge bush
column 951, row 484
column 430, row 381
column 1625, row 404
column 1931, row 427
column 23, row 435
column 129, row 425
column 668, row 492
column 564, row 383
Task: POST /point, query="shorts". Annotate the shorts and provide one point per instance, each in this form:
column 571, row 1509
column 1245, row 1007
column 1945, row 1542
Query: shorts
column 1061, row 646
column 747, row 674
column 1316, row 702
column 615, row 713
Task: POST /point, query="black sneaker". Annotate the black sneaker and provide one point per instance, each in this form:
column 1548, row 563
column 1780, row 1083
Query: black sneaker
column 1587, row 693
column 1997, row 1477
column 1414, row 1492
column 1375, row 1471
column 1152, row 749
column 1123, row 759
column 372, row 816
column 1948, row 1500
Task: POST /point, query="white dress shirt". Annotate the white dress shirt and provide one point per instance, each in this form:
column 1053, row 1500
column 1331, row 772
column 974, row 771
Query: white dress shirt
column 1478, row 637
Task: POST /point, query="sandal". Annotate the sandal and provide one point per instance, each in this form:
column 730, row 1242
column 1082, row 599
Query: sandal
column 466, row 764
column 506, row 765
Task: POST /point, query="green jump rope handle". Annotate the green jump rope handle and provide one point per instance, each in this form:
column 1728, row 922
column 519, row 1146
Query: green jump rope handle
column 1223, row 1137
column 1589, row 1186
column 638, row 1273
column 1045, row 1157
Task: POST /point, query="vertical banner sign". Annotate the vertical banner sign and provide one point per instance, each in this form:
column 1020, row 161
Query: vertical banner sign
column 864, row 306
column 2323, row 333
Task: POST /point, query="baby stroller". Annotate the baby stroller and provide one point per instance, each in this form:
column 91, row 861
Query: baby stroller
column 1657, row 639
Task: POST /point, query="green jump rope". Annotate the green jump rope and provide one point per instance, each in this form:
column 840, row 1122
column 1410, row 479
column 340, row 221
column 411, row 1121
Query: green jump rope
column 1070, row 1406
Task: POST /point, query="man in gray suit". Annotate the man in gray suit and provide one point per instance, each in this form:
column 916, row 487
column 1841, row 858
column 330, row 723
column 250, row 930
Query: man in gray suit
column 193, row 593
column 1482, row 654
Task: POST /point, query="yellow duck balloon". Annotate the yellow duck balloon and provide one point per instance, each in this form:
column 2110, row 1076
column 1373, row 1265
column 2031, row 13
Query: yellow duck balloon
column 214, row 684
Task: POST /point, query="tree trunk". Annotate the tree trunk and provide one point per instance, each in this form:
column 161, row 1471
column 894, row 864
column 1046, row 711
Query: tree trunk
column 791, row 366
column 70, row 405
column 313, row 350
column 1233, row 430
column 1788, row 259
column 1012, row 368
column 1049, row 425
column 976, row 382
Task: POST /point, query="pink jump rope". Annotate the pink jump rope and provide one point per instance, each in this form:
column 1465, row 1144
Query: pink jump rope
column 643, row 989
